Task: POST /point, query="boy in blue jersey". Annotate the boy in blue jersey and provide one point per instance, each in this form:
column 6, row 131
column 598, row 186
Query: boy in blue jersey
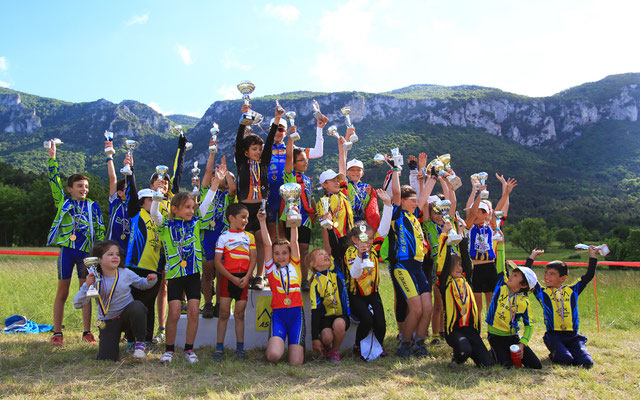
column 560, row 308
column 76, row 227
column 118, row 228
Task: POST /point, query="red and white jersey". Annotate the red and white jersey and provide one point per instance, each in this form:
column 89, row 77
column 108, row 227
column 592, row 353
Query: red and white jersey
column 235, row 247
column 285, row 284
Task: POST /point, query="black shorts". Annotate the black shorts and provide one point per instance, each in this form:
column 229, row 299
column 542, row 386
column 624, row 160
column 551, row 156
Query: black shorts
column 327, row 322
column 254, row 224
column 427, row 267
column 304, row 234
column 189, row 284
column 484, row 278
column 230, row 290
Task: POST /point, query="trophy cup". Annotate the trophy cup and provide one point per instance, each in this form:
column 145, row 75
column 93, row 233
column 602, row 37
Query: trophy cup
column 250, row 117
column 326, row 223
column 435, row 167
column 130, row 145
column 398, row 160
column 109, row 151
column 161, row 170
column 195, row 171
column 603, row 249
column 442, row 207
column 363, row 237
column 379, row 159
column 291, row 116
column 214, row 135
column 484, row 195
column 453, row 179
column 316, row 109
column 333, row 131
column 346, row 111
column 476, row 181
column 263, row 207
column 290, row 193
column 497, row 235
column 91, row 263
column 56, row 141
column 178, row 129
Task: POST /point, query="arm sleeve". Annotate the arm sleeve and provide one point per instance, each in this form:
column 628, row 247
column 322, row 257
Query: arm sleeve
column 142, row 283
column 265, row 158
column 206, row 202
column 239, row 153
column 156, row 216
column 413, row 181
column 100, row 229
column 528, row 327
column 356, row 268
column 529, row 262
column 178, row 165
column 133, row 208
column 80, row 299
column 337, row 252
column 318, row 149
column 316, row 315
column 385, row 221
column 54, row 182
column 587, row 277
column 467, row 265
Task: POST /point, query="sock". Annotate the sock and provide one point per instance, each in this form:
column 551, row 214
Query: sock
column 85, row 333
column 220, row 347
column 240, row 346
column 140, row 346
column 188, row 347
column 170, row 347
column 57, row 333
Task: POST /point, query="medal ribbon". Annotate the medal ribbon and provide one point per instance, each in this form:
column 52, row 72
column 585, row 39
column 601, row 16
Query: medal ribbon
column 105, row 308
column 332, row 292
column 254, row 169
column 462, row 301
column 560, row 303
column 78, row 215
column 286, row 287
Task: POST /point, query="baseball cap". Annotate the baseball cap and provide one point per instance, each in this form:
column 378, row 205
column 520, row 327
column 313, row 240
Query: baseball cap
column 355, row 163
column 433, row 199
column 330, row 174
column 145, row 193
column 283, row 122
column 485, row 206
column 529, row 275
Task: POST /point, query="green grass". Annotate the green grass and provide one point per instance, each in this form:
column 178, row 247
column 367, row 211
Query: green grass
column 31, row 368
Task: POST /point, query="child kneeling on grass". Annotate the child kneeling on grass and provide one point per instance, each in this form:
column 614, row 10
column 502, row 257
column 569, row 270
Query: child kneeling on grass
column 117, row 310
column 461, row 316
column 285, row 280
column 560, row 308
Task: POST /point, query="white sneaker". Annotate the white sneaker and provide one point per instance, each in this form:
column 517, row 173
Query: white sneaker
column 139, row 354
column 166, row 357
column 191, row 357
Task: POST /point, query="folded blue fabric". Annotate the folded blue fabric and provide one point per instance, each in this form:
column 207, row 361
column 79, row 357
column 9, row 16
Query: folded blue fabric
column 20, row 324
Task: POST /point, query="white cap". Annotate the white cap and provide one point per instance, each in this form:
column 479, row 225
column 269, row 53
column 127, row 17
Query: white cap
column 145, row 193
column 329, row 174
column 485, row 206
column 355, row 163
column 433, row 199
column 529, row 275
column 283, row 122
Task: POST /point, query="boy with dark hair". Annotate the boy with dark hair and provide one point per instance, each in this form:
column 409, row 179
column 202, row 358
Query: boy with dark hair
column 234, row 261
column 76, row 227
column 560, row 308
column 252, row 162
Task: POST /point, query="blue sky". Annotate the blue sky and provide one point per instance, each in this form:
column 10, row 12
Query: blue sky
column 180, row 57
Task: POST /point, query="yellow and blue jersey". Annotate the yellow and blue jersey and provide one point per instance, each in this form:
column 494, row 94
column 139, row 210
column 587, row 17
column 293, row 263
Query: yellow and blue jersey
column 406, row 239
column 481, row 243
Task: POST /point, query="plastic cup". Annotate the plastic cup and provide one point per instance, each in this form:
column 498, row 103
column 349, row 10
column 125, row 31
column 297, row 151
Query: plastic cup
column 517, row 361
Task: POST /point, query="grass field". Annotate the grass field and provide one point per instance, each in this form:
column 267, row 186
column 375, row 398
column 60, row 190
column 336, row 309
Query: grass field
column 31, row 368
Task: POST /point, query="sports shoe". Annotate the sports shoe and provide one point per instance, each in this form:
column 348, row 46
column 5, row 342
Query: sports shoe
column 241, row 355
column 166, row 357
column 306, row 286
column 56, row 340
column 159, row 337
column 207, row 310
column 89, row 338
column 384, row 353
column 435, row 341
column 404, row 350
column 334, row 357
column 218, row 355
column 139, row 352
column 420, row 350
column 191, row 356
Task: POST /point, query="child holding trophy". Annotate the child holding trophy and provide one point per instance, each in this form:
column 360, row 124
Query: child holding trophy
column 75, row 228
column 180, row 235
column 560, row 308
column 118, row 228
column 287, row 318
column 117, row 310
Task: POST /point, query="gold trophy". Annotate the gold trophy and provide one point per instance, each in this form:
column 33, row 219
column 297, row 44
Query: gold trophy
column 291, row 116
column 316, row 109
column 130, row 145
column 325, row 223
column 435, row 167
column 482, row 176
column 109, row 151
column 290, row 193
column 453, row 179
column 91, row 263
column 161, row 170
column 214, row 135
column 250, row 117
column 443, row 207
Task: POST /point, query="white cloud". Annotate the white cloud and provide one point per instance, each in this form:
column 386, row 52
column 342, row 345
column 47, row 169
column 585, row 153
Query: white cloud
column 185, row 55
column 228, row 61
column 156, row 107
column 4, row 65
column 229, row 92
column 138, row 20
column 286, row 13
column 4, row 84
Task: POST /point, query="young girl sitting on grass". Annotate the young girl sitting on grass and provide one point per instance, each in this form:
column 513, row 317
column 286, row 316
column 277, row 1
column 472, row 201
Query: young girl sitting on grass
column 117, row 310
column 285, row 278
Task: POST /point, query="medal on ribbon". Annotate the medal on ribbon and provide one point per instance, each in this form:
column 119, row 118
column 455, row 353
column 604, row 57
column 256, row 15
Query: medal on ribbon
column 106, row 303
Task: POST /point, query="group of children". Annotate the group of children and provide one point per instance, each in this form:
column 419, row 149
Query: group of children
column 160, row 240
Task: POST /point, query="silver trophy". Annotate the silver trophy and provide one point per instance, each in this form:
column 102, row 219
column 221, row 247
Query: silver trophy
column 250, row 117
column 161, row 170
column 497, row 235
column 316, row 109
column 380, row 159
column 325, row 223
column 91, row 263
column 195, row 171
column 346, row 111
column 56, row 141
column 363, row 237
column 603, row 249
column 178, row 129
column 130, row 145
column 333, row 131
column 290, row 193
column 398, row 160
column 443, row 207
column 476, row 181
column 291, row 116
column 484, row 195
column 263, row 207
column 214, row 135
column 453, row 179
column 109, row 151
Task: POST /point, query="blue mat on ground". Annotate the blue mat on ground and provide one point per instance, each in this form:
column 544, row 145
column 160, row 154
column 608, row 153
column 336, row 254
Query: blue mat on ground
column 20, row 324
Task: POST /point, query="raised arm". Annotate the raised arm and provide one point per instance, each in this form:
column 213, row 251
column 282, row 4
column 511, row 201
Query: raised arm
column 57, row 191
column 425, row 191
column 221, row 171
column 178, row 164
column 266, row 239
column 156, row 216
column 395, row 186
column 265, row 158
column 240, row 158
column 111, row 171
column 471, row 214
column 208, row 171
column 288, row 164
column 133, row 206
column 342, row 155
column 387, row 212
column 507, row 187
column 318, row 148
